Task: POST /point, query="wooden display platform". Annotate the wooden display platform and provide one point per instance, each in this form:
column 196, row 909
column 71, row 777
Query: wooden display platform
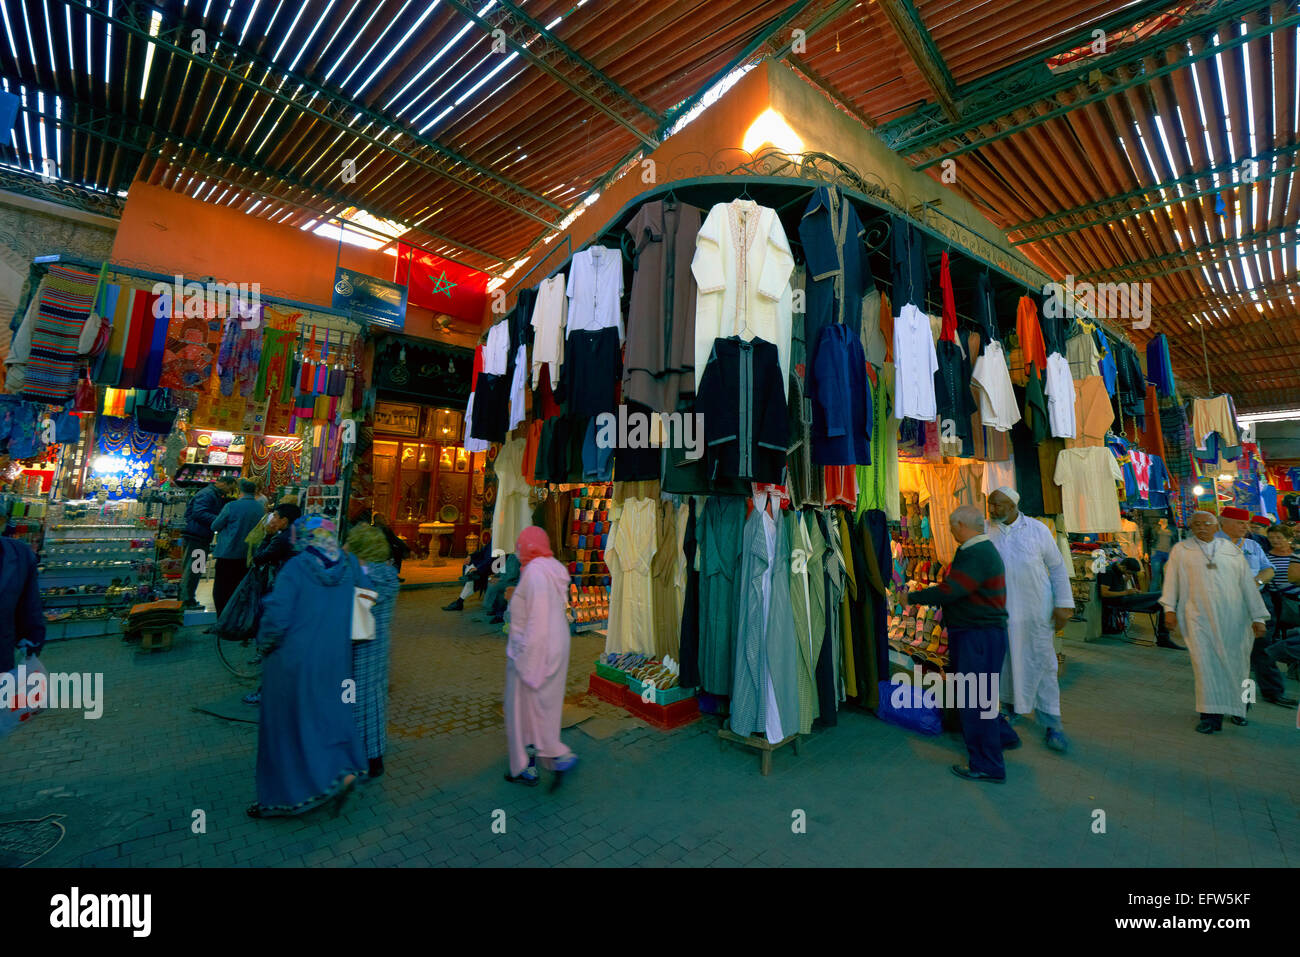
column 761, row 745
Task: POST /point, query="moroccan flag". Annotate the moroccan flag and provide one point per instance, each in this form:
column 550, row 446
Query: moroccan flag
column 441, row 285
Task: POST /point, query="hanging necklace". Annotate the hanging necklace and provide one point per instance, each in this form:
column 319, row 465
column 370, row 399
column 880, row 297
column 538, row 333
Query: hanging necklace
column 1209, row 557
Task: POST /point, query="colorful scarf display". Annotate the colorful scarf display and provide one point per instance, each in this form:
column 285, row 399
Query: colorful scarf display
column 66, row 298
column 191, row 351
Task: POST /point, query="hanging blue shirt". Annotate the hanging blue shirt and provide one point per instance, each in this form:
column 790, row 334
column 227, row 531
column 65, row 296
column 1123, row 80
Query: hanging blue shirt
column 1106, row 365
column 1160, row 372
column 1158, row 484
column 1268, row 494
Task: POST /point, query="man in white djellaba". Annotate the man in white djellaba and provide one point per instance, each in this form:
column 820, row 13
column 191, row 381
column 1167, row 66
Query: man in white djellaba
column 1211, row 597
column 1039, row 602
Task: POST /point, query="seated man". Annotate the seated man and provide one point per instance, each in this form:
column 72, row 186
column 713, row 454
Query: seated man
column 474, row 573
column 1117, row 586
column 498, row 591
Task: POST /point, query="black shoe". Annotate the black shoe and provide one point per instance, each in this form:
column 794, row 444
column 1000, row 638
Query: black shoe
column 1283, row 701
column 457, row 605
column 1239, row 722
column 969, row 775
column 1206, row 727
column 376, row 767
column 1165, row 641
column 497, row 620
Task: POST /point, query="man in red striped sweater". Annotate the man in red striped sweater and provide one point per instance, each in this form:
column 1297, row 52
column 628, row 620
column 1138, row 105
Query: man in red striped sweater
column 974, row 600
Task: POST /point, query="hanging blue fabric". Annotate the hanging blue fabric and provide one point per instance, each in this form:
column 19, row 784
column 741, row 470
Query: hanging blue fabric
column 1160, row 371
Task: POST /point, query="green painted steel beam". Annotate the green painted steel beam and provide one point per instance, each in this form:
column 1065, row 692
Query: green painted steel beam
column 1126, row 269
column 1030, row 82
column 1128, row 212
column 1023, row 85
column 338, row 105
column 759, row 41
column 1139, row 79
column 512, row 21
column 762, row 39
column 97, row 125
column 924, row 53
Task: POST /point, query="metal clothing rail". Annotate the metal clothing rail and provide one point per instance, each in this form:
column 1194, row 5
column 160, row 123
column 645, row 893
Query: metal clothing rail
column 740, row 183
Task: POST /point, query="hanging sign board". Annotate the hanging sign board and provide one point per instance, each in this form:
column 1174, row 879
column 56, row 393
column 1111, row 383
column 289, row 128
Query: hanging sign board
column 374, row 300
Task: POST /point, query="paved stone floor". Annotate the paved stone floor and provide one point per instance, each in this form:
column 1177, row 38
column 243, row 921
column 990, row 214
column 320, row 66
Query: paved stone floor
column 128, row 785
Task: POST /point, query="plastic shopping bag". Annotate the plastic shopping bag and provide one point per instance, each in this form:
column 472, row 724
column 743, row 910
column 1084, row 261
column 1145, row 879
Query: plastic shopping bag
column 23, row 693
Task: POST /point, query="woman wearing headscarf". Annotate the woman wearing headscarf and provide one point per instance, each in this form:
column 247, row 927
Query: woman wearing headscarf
column 370, row 658
column 309, row 751
column 537, row 661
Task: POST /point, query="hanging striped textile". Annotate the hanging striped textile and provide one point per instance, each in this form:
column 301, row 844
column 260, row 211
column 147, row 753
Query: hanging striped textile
column 66, row 297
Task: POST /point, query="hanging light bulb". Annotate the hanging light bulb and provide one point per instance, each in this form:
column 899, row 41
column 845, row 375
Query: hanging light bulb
column 1198, row 490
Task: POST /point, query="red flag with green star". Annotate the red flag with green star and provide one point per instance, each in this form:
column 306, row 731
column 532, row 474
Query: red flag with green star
column 441, row 285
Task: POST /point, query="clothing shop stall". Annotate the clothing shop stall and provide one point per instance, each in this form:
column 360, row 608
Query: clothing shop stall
column 790, row 387
column 127, row 393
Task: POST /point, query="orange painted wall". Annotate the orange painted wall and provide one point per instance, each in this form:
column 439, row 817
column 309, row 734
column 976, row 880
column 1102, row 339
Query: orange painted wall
column 166, row 232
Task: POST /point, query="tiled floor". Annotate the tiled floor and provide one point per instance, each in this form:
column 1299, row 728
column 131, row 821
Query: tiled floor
column 128, row 786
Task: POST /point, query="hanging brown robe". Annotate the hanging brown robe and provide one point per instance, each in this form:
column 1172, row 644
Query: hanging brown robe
column 663, row 575
column 658, row 367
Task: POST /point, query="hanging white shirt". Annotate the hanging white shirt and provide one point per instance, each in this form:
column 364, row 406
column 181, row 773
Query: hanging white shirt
column 1089, row 496
column 469, row 443
column 595, row 290
column 496, row 350
column 1058, row 386
column 998, row 409
column 517, row 388
column 548, row 319
column 1000, row 475
column 742, row 268
column 915, row 363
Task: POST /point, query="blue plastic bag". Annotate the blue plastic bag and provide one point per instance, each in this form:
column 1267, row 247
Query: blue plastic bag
column 904, row 705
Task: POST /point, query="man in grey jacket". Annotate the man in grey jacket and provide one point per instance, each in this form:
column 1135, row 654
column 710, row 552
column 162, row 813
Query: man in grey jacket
column 233, row 524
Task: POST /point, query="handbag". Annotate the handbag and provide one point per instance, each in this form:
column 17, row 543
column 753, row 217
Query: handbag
column 67, row 426
column 19, row 709
column 1286, row 611
column 363, row 610
column 242, row 615
column 156, row 415
column 85, row 400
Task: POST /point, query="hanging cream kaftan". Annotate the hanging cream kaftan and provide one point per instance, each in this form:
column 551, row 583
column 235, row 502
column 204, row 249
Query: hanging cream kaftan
column 1215, row 608
column 512, row 513
column 742, row 269
column 631, row 603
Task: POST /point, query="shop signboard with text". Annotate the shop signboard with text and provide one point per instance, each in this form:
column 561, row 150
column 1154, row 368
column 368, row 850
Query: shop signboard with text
column 376, row 301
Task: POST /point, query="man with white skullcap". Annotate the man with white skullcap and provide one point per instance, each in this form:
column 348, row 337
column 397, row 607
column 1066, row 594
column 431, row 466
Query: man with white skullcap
column 1039, row 602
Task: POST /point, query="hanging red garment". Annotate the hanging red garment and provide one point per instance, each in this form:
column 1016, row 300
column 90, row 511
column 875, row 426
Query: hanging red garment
column 949, row 331
column 1029, row 332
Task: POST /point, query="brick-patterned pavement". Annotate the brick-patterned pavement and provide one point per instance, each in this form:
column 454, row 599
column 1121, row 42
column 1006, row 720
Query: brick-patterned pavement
column 128, row 784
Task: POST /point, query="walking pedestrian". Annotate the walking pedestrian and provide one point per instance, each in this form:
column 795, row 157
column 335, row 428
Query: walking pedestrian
column 1211, row 596
column 370, row 658
column 309, row 751
column 537, row 662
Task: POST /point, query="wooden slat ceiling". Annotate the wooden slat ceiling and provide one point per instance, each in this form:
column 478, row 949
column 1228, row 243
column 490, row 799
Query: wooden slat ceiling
column 481, row 152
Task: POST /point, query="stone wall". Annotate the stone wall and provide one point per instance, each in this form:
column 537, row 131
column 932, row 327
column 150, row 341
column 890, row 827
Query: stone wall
column 33, row 227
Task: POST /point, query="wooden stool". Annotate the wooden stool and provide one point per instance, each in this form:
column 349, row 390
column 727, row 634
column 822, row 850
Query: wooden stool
column 760, row 744
column 156, row 639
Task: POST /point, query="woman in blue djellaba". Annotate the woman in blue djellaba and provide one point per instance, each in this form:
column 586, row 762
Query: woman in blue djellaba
column 309, row 750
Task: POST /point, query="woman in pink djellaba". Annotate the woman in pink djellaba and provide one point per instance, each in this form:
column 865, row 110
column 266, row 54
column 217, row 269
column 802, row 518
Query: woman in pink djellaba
column 537, row 662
